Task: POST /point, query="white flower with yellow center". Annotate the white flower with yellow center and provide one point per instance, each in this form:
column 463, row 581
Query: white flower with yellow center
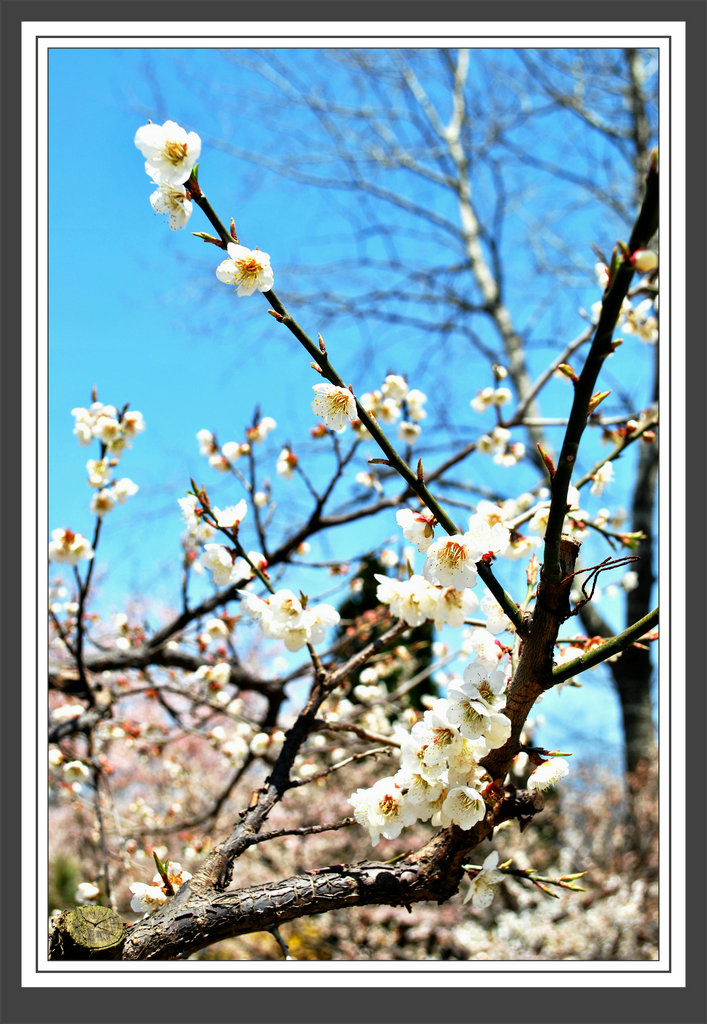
column 454, row 607
column 246, row 270
column 451, row 561
column 146, row 898
column 382, row 809
column 335, row 405
column 463, row 806
column 170, row 152
column 172, row 200
column 414, row 600
column 468, row 713
column 443, row 739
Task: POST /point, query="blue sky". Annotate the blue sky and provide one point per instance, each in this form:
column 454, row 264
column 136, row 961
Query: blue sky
column 137, row 312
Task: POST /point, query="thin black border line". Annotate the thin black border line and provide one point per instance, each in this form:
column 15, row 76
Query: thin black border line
column 353, row 972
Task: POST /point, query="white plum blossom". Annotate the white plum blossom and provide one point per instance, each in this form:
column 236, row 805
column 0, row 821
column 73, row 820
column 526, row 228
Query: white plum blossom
column 67, row 712
column 87, row 892
column 496, row 619
column 548, row 774
column 233, row 450
column 453, row 607
column 369, row 481
column 102, row 502
column 412, row 756
column 603, row 476
column 482, row 644
column 468, row 713
column 132, row 424
column 98, row 472
column 217, row 676
column 408, row 432
column 463, row 806
column 641, row 322
column 388, row 410
column 442, row 740
column 482, row 887
column 286, row 462
column 218, row 560
column 260, row 431
column 170, row 152
column 491, row 537
column 146, row 898
column 335, row 405
column 629, row 580
column 173, row 201
column 216, row 629
column 206, row 442
column 414, row 600
column 414, row 400
column 420, row 790
column 191, row 512
column 123, row 489
column 76, row 771
column 175, row 873
column 246, row 269
column 498, row 730
column 69, row 547
column 485, row 681
column 282, row 616
column 451, row 561
column 232, row 516
column 55, row 757
column 394, row 387
column 511, row 455
column 482, row 400
column 417, row 527
column 383, row 809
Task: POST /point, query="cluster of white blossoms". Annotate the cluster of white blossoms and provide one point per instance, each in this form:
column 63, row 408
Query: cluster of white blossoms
column 499, row 446
column 394, row 401
column 639, row 320
column 115, row 432
column 285, row 617
column 443, row 592
column 223, row 458
column 170, row 155
column 440, row 778
column 149, row 897
column 489, row 397
column 225, row 566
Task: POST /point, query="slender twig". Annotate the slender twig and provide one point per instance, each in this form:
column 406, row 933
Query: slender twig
column 616, row 645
